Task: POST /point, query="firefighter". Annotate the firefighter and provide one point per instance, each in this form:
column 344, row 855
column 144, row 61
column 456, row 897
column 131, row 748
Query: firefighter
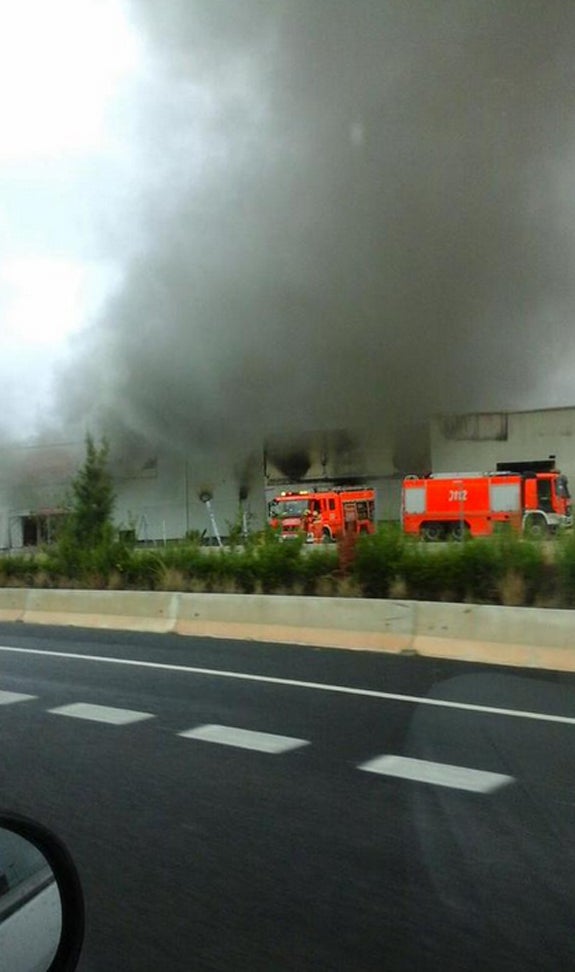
column 306, row 523
column 317, row 526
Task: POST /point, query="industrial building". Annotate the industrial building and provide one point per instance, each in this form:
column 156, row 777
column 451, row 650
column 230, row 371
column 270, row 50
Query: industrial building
column 157, row 493
column 477, row 442
column 163, row 495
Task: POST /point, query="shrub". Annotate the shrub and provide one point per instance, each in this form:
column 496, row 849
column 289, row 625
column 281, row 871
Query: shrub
column 18, row 570
column 142, row 570
column 565, row 568
column 503, row 569
column 171, row 579
column 512, row 589
column 523, row 563
column 318, row 569
column 276, row 564
column 101, row 559
column 378, row 560
column 432, row 574
column 478, row 570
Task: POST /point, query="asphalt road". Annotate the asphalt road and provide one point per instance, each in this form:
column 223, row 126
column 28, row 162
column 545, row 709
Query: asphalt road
column 292, row 854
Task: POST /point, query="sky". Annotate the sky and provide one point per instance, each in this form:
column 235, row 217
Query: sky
column 69, row 71
column 220, row 220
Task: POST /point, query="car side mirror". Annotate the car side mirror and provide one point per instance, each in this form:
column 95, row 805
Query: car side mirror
column 41, row 900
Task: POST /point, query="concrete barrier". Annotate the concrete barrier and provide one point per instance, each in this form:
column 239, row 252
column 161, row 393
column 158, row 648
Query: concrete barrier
column 468, row 632
column 12, row 603
column 120, row 610
column 327, row 622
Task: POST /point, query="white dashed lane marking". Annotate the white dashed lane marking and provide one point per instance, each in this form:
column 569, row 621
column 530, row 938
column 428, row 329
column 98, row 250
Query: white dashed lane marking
column 101, row 713
column 438, row 774
column 7, row 698
column 400, row 767
column 264, row 742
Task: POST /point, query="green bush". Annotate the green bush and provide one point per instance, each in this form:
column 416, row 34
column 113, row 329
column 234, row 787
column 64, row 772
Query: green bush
column 378, row 560
column 276, row 565
column 500, row 570
column 526, row 561
column 19, row 567
column 99, row 560
column 318, row 563
column 565, row 569
column 430, row 574
column 478, row 571
column 469, row 571
column 142, row 569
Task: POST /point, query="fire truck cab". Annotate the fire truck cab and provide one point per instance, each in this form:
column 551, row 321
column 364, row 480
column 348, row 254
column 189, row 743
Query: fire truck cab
column 323, row 515
column 531, row 497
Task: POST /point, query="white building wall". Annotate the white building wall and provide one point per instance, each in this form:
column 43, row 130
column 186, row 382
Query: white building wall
column 150, row 499
column 4, row 534
column 33, row 479
column 345, row 456
column 476, row 443
column 163, row 503
column 339, row 454
column 157, row 495
column 388, row 502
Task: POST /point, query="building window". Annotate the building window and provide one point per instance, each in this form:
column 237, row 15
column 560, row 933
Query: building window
column 479, row 427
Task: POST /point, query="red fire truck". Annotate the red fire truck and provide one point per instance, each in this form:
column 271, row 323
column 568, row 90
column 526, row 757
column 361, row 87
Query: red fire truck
column 532, row 497
column 323, row 515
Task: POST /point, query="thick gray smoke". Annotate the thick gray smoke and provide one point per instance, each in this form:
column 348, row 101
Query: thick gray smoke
column 362, row 213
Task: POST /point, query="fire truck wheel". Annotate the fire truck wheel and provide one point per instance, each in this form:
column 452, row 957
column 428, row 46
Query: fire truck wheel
column 459, row 531
column 432, row 531
column 326, row 536
column 536, row 527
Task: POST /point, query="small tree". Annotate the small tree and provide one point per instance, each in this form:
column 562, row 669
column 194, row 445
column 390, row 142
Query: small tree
column 93, row 498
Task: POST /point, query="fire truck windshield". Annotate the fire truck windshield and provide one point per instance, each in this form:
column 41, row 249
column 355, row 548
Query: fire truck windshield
column 562, row 487
column 282, row 508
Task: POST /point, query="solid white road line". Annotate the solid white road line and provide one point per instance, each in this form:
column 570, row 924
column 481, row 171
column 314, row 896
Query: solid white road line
column 295, row 683
column 264, row 742
column 7, row 698
column 101, row 713
column 438, row 774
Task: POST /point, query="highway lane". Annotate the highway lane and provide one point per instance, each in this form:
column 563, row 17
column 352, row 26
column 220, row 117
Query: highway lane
column 197, row 854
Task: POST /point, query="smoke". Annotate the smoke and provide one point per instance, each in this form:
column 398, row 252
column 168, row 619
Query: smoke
column 292, row 457
column 361, row 213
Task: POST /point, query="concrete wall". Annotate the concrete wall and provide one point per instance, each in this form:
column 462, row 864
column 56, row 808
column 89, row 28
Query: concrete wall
column 346, row 455
column 156, row 494
column 33, row 478
column 475, row 443
column 166, row 504
column 468, row 632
